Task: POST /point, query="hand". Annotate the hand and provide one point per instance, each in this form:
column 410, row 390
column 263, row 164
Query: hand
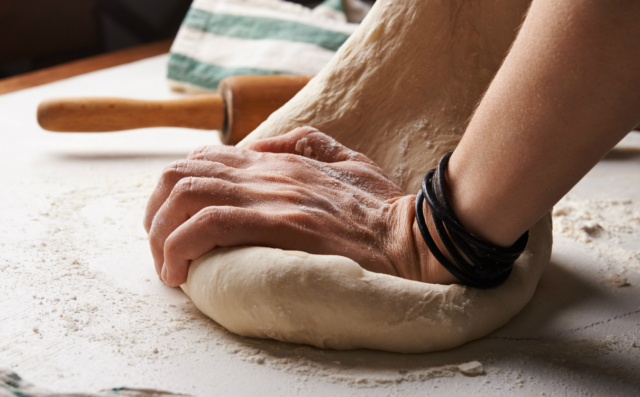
column 300, row 191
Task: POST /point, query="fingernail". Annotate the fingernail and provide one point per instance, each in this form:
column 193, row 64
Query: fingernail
column 163, row 275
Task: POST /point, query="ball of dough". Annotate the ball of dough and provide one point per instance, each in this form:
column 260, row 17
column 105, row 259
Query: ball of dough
column 331, row 302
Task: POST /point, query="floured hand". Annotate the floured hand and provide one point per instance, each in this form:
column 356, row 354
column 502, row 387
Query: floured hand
column 300, row 191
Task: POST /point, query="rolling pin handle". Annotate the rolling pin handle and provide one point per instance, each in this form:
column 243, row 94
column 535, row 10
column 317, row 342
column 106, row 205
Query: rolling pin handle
column 103, row 114
column 243, row 104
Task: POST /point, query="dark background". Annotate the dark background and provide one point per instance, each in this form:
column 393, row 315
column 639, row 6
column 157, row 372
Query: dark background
column 35, row 34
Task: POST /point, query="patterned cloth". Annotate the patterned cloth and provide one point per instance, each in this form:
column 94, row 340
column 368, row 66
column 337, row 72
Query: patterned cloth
column 222, row 38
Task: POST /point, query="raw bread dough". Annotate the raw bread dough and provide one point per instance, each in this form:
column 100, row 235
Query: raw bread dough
column 403, row 87
column 400, row 90
column 331, row 302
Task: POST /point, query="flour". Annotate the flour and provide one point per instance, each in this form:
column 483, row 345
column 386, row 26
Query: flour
column 77, row 304
column 74, row 303
column 352, row 369
column 616, row 280
column 604, row 227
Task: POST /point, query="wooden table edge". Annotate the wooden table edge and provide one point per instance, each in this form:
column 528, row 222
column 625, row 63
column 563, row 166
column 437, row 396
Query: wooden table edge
column 82, row 66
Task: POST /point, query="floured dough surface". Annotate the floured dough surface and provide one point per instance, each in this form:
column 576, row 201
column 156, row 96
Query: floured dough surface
column 331, row 302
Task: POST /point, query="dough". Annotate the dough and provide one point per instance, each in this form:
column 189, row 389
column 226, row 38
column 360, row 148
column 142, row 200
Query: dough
column 331, row 302
column 400, row 90
column 403, row 87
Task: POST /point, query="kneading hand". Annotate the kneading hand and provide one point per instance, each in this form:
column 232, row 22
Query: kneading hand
column 300, row 191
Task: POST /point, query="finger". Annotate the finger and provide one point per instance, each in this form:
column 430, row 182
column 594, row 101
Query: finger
column 310, row 143
column 228, row 155
column 188, row 197
column 281, row 144
column 218, row 227
column 174, row 173
column 322, row 147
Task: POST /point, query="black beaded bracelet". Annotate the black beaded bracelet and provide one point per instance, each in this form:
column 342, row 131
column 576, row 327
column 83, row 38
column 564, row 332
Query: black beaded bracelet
column 484, row 265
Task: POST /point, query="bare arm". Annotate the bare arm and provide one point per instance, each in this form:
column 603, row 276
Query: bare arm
column 568, row 91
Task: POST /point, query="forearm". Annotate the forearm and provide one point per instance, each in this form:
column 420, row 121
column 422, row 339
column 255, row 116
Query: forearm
column 568, row 91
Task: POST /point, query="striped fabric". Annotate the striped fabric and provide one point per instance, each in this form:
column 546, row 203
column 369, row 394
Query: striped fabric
column 222, row 38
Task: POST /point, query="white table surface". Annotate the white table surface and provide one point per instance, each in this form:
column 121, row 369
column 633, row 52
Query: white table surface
column 81, row 308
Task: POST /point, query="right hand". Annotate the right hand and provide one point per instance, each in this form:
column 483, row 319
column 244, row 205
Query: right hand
column 300, row 191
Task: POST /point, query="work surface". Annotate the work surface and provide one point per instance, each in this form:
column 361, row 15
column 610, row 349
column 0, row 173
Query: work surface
column 82, row 309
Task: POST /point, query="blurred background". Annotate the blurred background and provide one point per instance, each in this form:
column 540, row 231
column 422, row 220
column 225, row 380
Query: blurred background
column 36, row 34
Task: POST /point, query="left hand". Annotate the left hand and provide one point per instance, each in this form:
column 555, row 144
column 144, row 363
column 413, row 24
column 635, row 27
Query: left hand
column 300, row 191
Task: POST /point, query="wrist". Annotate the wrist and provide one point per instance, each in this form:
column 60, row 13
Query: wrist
column 407, row 251
column 430, row 269
column 479, row 207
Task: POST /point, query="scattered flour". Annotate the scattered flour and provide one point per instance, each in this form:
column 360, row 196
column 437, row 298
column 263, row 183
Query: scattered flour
column 137, row 319
column 73, row 302
column 472, row 368
column 616, row 280
column 605, row 227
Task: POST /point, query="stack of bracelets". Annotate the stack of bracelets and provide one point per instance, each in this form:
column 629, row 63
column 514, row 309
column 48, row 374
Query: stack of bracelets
column 484, row 265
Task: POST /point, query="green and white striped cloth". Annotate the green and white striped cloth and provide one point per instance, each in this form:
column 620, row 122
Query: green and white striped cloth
column 222, row 38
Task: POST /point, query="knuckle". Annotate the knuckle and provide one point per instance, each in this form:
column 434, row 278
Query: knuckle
column 221, row 222
column 218, row 170
column 171, row 246
column 211, row 219
column 208, row 215
column 199, row 152
column 185, row 187
column 175, row 171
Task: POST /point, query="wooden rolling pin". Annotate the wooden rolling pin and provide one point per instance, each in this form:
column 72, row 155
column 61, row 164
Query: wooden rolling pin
column 243, row 103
